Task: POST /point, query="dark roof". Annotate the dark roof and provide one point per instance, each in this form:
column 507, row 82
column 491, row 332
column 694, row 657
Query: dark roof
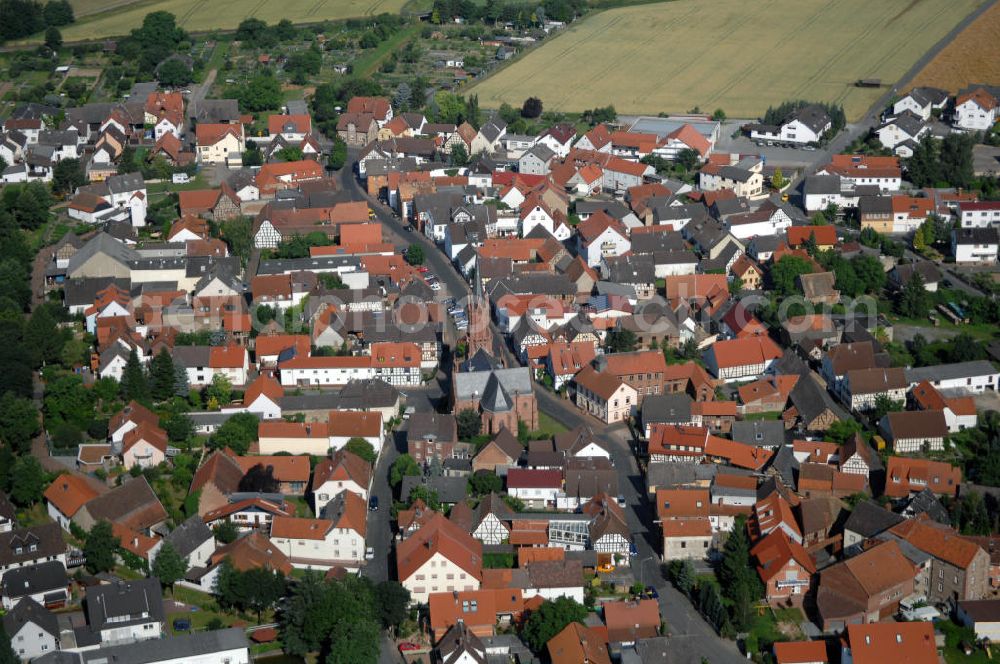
column 977, row 235
column 28, row 610
column 785, row 464
column 868, row 519
column 759, row 432
column 7, row 510
column 180, row 647
column 188, row 536
column 124, row 603
column 809, row 399
column 132, row 504
column 821, row 184
column 33, row 579
column 450, row 490
column 666, row 475
column 491, row 504
column 46, row 538
column 812, row 116
column 588, row 477
column 366, row 394
column 669, row 408
column 926, row 502
column 459, row 644
column 440, row 427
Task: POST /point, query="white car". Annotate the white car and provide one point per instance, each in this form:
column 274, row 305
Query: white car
column 369, row 553
column 435, row 286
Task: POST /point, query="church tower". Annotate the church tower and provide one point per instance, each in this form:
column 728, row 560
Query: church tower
column 479, row 336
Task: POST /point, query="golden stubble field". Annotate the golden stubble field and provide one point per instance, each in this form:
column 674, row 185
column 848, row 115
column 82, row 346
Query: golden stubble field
column 109, row 18
column 973, row 56
column 738, row 55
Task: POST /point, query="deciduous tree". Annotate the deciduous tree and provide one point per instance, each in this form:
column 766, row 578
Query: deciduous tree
column 100, row 548
column 168, row 566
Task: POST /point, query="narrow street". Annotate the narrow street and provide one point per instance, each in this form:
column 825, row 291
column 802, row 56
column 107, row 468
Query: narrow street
column 693, row 638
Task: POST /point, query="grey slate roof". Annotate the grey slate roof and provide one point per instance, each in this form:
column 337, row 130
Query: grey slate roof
column 821, row 184
column 47, row 540
column 664, row 475
column 188, row 536
column 977, row 235
column 191, row 356
column 812, row 116
column 760, row 432
column 926, row 502
column 868, row 519
column 669, row 408
column 124, row 603
column 810, row 400
column 450, row 490
column 102, row 243
column 180, row 647
column 472, row 384
column 950, row 371
column 28, row 610
column 33, row 579
column 440, row 427
column 632, row 269
column 785, row 465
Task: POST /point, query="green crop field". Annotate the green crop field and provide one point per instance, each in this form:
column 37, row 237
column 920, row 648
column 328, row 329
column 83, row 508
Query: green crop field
column 202, row 15
column 738, row 55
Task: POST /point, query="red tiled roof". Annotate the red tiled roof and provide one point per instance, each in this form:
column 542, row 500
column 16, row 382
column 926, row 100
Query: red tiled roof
column 439, row 535
column 68, row 493
column 826, row 236
column 880, row 643
column 776, row 551
column 276, row 123
column 530, row 478
column 745, row 351
column 350, row 424
column 800, row 652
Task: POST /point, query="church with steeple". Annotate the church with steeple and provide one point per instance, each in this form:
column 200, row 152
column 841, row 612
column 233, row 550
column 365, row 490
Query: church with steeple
column 502, row 396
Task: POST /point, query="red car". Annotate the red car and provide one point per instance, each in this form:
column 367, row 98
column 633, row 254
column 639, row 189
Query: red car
column 407, row 646
column 423, row 269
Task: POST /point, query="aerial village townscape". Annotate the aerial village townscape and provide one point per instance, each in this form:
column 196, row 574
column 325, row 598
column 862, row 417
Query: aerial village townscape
column 499, row 332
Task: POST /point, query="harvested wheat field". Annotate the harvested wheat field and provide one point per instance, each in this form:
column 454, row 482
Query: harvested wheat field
column 731, row 54
column 201, row 15
column 973, row 56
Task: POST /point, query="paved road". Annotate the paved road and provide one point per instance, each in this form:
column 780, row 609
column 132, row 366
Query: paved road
column 692, row 637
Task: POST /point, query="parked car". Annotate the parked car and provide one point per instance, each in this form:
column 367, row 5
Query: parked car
column 435, row 286
column 651, row 593
column 606, row 568
column 182, row 625
column 373, row 503
column 407, row 646
column 370, row 553
column 423, row 269
column 621, row 500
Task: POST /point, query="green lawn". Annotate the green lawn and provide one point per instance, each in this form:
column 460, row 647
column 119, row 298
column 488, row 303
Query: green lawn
column 33, row 516
column 368, row 64
column 197, row 182
column 953, row 635
column 548, row 426
column 982, row 331
column 762, row 416
column 300, row 507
